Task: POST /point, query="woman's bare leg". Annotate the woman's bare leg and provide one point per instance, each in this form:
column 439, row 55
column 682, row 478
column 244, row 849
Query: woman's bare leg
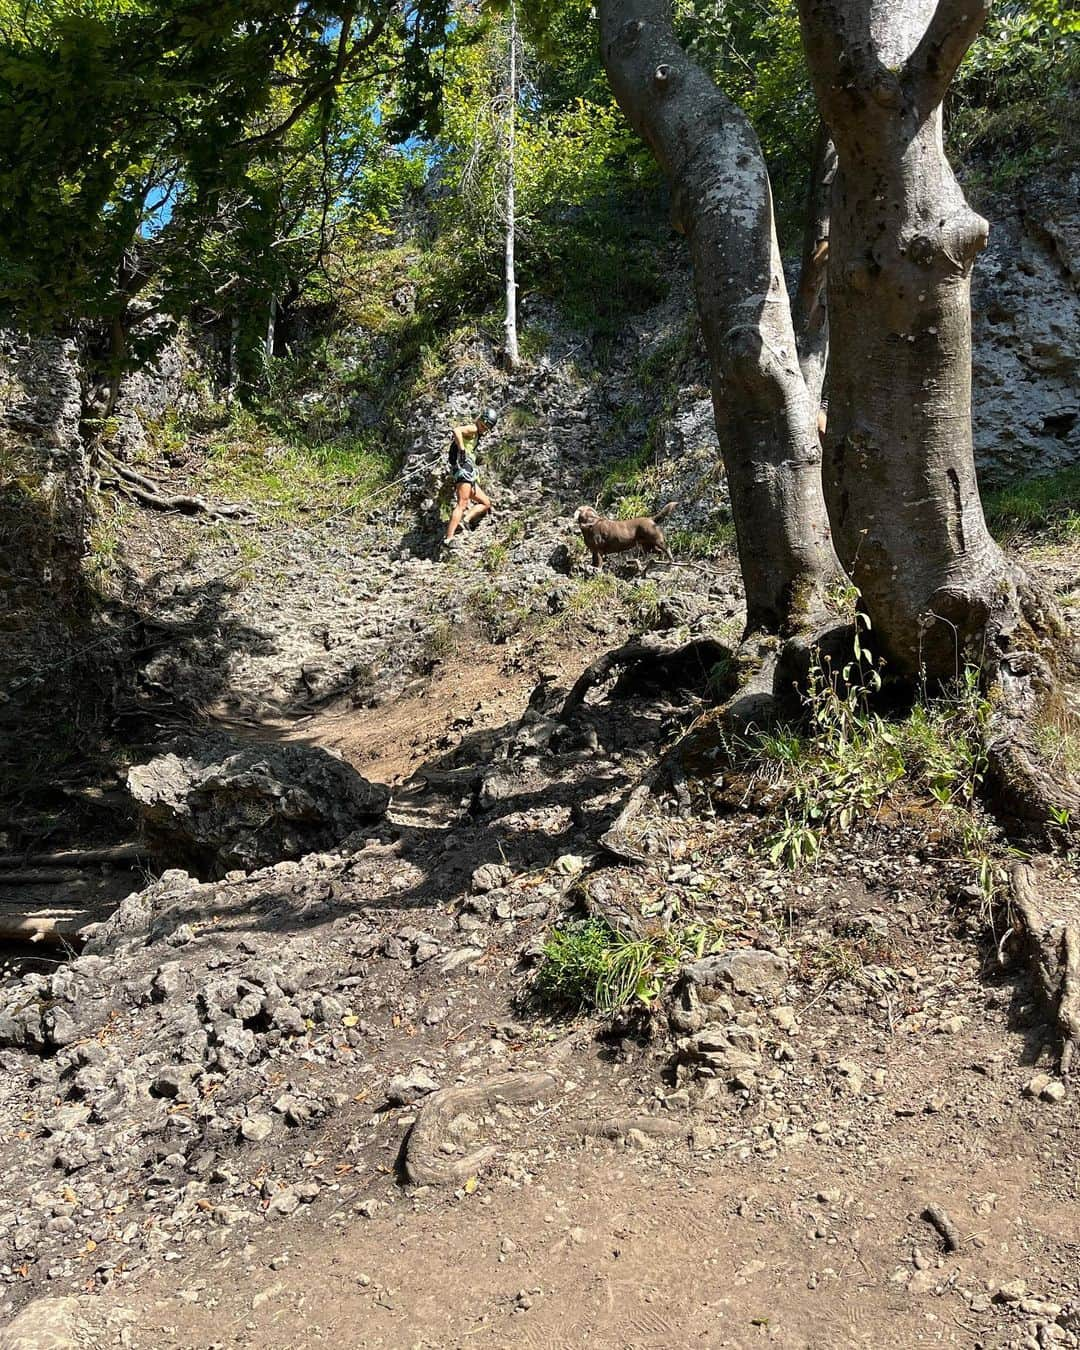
column 480, row 508
column 463, row 490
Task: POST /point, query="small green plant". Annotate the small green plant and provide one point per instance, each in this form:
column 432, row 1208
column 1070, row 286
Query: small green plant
column 846, row 760
column 533, row 342
column 439, row 642
column 590, row 965
column 494, row 557
column 593, row 594
column 643, row 605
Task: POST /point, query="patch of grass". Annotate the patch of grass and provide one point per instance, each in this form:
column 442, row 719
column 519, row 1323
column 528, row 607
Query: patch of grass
column 533, row 342
column 704, row 543
column 1043, row 509
column 104, row 559
column 493, row 559
column 643, row 604
column 291, row 478
column 521, row 419
column 588, row 965
column 604, row 593
column 439, row 643
column 592, row 594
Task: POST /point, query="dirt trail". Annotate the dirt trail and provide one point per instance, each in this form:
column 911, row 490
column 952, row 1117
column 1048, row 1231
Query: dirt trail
column 822, row 1247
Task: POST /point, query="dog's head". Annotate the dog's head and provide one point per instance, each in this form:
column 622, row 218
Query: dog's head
column 586, row 516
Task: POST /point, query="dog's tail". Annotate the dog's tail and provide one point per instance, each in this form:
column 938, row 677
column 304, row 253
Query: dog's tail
column 664, row 512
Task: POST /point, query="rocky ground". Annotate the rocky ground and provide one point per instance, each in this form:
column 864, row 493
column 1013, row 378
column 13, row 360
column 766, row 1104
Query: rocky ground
column 302, row 1089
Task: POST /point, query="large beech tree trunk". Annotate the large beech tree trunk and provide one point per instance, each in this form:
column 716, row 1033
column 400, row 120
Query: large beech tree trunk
column 899, row 469
column 766, row 418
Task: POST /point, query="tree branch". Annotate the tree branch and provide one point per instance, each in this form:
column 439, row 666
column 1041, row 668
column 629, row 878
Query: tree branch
column 346, row 56
column 931, row 66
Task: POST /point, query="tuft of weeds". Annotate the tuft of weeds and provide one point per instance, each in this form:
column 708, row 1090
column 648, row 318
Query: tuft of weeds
column 496, row 616
column 845, row 761
column 588, row 965
column 493, row 558
column 593, row 594
column 1043, row 510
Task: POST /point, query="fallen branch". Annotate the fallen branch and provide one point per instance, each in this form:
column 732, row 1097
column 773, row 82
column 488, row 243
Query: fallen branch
column 425, row 1162
column 940, row 1220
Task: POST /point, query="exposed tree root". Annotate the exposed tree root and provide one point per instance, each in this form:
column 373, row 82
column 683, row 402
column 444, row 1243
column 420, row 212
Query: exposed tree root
column 1055, row 948
column 425, row 1162
column 686, row 666
column 121, row 478
column 765, row 676
column 1021, row 785
column 77, row 857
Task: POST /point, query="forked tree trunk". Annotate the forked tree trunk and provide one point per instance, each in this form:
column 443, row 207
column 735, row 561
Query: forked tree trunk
column 899, row 466
column 765, row 417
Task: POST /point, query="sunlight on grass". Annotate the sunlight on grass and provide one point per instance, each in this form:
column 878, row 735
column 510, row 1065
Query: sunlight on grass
column 1037, row 510
column 346, row 475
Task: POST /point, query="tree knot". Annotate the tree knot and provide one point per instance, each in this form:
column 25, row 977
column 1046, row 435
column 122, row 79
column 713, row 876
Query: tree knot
column 665, row 78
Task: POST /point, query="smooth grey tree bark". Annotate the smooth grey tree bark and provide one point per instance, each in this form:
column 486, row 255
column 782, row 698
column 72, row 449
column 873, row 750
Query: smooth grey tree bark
column 899, row 468
column 513, row 359
column 766, row 418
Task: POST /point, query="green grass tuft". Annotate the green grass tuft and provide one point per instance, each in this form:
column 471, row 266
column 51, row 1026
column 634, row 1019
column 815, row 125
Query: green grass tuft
column 1043, row 509
column 588, row 965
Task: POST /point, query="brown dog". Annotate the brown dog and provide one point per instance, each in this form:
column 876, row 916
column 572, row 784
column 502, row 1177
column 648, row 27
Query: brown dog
column 603, row 536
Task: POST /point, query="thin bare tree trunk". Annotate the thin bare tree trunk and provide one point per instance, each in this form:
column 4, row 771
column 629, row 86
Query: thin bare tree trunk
column 766, row 418
column 510, row 323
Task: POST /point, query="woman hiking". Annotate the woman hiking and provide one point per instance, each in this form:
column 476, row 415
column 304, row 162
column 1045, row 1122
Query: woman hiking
column 470, row 501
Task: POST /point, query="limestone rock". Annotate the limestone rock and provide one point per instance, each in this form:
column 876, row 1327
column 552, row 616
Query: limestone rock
column 244, row 807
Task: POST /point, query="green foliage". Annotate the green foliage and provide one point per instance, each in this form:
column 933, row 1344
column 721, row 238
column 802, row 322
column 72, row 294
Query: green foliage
column 590, row 966
column 625, row 486
column 755, row 54
column 201, row 155
column 848, row 761
column 1011, row 108
column 1046, row 509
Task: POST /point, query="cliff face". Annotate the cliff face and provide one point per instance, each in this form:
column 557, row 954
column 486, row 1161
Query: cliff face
column 43, row 533
column 1026, row 334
